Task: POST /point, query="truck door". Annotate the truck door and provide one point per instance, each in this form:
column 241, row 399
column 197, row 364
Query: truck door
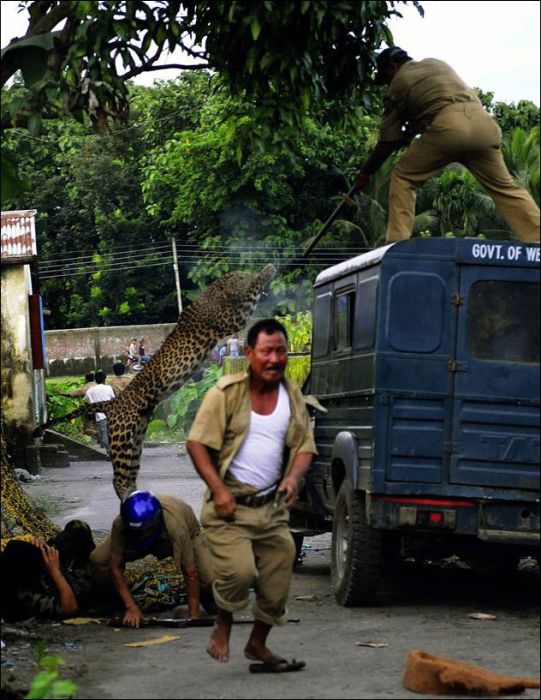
column 496, row 389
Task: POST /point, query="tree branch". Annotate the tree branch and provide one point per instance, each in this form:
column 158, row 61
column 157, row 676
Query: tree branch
column 49, row 21
column 147, row 68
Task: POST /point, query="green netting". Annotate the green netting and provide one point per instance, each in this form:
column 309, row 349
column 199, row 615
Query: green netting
column 19, row 517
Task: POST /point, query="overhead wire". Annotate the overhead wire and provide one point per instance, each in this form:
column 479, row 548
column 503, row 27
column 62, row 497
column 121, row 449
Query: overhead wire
column 185, row 250
column 119, row 249
column 191, row 260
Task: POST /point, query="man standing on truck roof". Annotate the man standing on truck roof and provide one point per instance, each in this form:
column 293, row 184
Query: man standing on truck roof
column 427, row 97
column 251, row 442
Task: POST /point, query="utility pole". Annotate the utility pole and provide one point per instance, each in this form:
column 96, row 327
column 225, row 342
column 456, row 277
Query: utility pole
column 177, row 278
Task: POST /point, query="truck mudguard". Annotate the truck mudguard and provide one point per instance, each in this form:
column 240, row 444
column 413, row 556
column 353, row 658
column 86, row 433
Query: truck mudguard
column 345, row 450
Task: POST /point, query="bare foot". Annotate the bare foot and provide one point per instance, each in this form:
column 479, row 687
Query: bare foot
column 256, row 653
column 218, row 646
column 256, row 649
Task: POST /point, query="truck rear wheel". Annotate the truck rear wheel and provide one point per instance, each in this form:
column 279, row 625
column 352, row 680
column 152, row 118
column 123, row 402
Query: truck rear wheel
column 357, row 550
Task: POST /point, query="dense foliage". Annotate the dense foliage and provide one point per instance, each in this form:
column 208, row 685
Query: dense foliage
column 239, row 160
column 279, row 57
column 109, row 205
column 58, row 405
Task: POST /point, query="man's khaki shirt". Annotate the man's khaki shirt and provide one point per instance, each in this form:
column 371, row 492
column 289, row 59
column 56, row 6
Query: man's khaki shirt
column 81, row 391
column 223, row 421
column 417, row 93
column 118, row 384
column 180, row 526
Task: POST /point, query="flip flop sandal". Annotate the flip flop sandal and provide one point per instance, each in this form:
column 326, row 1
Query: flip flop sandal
column 277, row 665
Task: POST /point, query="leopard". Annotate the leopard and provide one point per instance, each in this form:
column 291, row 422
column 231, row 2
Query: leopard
column 224, row 308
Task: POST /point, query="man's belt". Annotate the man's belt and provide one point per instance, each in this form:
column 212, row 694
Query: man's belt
column 254, row 501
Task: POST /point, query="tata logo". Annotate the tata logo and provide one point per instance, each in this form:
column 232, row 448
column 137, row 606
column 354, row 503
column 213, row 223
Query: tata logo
column 501, row 448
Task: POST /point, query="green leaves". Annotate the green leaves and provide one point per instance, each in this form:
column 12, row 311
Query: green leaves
column 178, row 412
column 255, row 28
column 47, row 683
column 11, row 184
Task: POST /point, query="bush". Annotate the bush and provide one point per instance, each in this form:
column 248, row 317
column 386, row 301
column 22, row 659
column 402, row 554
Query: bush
column 173, row 417
column 58, row 406
column 299, row 330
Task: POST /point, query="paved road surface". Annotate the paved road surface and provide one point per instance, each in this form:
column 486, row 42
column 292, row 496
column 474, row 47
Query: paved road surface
column 418, row 608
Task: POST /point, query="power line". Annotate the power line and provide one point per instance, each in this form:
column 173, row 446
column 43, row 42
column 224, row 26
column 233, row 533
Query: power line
column 77, row 262
column 192, row 260
column 190, row 247
column 187, row 252
column 118, row 249
column 92, row 272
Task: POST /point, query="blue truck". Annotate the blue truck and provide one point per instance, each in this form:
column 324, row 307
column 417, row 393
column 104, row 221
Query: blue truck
column 425, row 354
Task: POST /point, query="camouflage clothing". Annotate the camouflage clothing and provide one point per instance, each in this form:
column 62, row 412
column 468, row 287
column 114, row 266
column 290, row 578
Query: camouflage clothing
column 27, row 588
column 42, row 599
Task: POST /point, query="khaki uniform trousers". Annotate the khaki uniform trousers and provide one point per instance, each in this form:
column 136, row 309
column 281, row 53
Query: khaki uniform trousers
column 256, row 549
column 467, row 134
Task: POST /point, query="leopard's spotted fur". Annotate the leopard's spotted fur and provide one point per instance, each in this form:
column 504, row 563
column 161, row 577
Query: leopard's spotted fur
column 224, row 308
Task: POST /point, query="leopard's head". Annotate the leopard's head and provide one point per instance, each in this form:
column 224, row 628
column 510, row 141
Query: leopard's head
column 228, row 303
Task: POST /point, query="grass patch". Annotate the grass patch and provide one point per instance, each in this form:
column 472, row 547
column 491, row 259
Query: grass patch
column 47, row 505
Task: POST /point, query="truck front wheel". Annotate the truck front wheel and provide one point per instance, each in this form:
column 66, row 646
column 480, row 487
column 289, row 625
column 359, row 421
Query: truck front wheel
column 357, row 550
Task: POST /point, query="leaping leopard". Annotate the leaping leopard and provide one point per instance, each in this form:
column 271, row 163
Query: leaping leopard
column 224, row 308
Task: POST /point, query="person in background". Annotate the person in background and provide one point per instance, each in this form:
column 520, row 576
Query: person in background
column 143, row 355
column 133, row 350
column 222, row 354
column 89, row 424
column 233, row 346
column 90, row 381
column 215, row 354
column 101, row 392
column 121, row 380
column 165, row 527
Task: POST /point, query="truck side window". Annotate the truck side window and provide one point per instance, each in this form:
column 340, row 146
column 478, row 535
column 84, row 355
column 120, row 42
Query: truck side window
column 344, row 305
column 321, row 324
column 503, row 321
column 365, row 313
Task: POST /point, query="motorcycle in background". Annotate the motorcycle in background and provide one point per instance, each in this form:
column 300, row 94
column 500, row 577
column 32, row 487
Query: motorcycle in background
column 136, row 364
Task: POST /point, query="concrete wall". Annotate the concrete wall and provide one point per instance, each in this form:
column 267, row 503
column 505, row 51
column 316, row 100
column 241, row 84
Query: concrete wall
column 82, row 350
column 22, row 387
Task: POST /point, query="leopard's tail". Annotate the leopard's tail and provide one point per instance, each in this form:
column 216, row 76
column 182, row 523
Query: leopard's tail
column 88, row 409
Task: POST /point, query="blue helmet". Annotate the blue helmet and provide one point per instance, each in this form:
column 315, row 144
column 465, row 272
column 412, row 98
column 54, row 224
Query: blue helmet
column 142, row 514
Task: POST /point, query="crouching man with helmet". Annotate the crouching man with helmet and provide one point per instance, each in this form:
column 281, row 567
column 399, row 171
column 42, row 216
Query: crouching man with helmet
column 163, row 526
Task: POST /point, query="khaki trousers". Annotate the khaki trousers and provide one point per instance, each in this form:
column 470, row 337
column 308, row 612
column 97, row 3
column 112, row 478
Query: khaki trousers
column 467, row 134
column 256, row 549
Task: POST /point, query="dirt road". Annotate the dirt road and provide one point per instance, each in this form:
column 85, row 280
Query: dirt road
column 425, row 608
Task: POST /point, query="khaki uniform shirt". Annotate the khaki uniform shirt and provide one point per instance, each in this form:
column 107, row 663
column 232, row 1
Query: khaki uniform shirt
column 118, row 384
column 180, row 527
column 417, row 93
column 223, row 421
column 83, row 389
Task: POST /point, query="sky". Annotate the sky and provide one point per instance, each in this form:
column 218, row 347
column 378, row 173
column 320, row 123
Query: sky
column 491, row 45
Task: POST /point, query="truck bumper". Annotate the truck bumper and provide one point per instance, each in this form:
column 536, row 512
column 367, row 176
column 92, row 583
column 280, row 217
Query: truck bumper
column 512, row 523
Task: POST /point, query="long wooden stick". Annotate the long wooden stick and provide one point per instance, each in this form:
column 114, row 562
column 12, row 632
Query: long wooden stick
column 328, row 223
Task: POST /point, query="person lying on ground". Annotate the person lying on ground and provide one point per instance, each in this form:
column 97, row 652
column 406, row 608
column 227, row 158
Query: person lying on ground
column 48, row 580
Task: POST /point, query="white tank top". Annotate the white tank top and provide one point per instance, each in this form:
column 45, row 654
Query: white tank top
column 259, row 459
